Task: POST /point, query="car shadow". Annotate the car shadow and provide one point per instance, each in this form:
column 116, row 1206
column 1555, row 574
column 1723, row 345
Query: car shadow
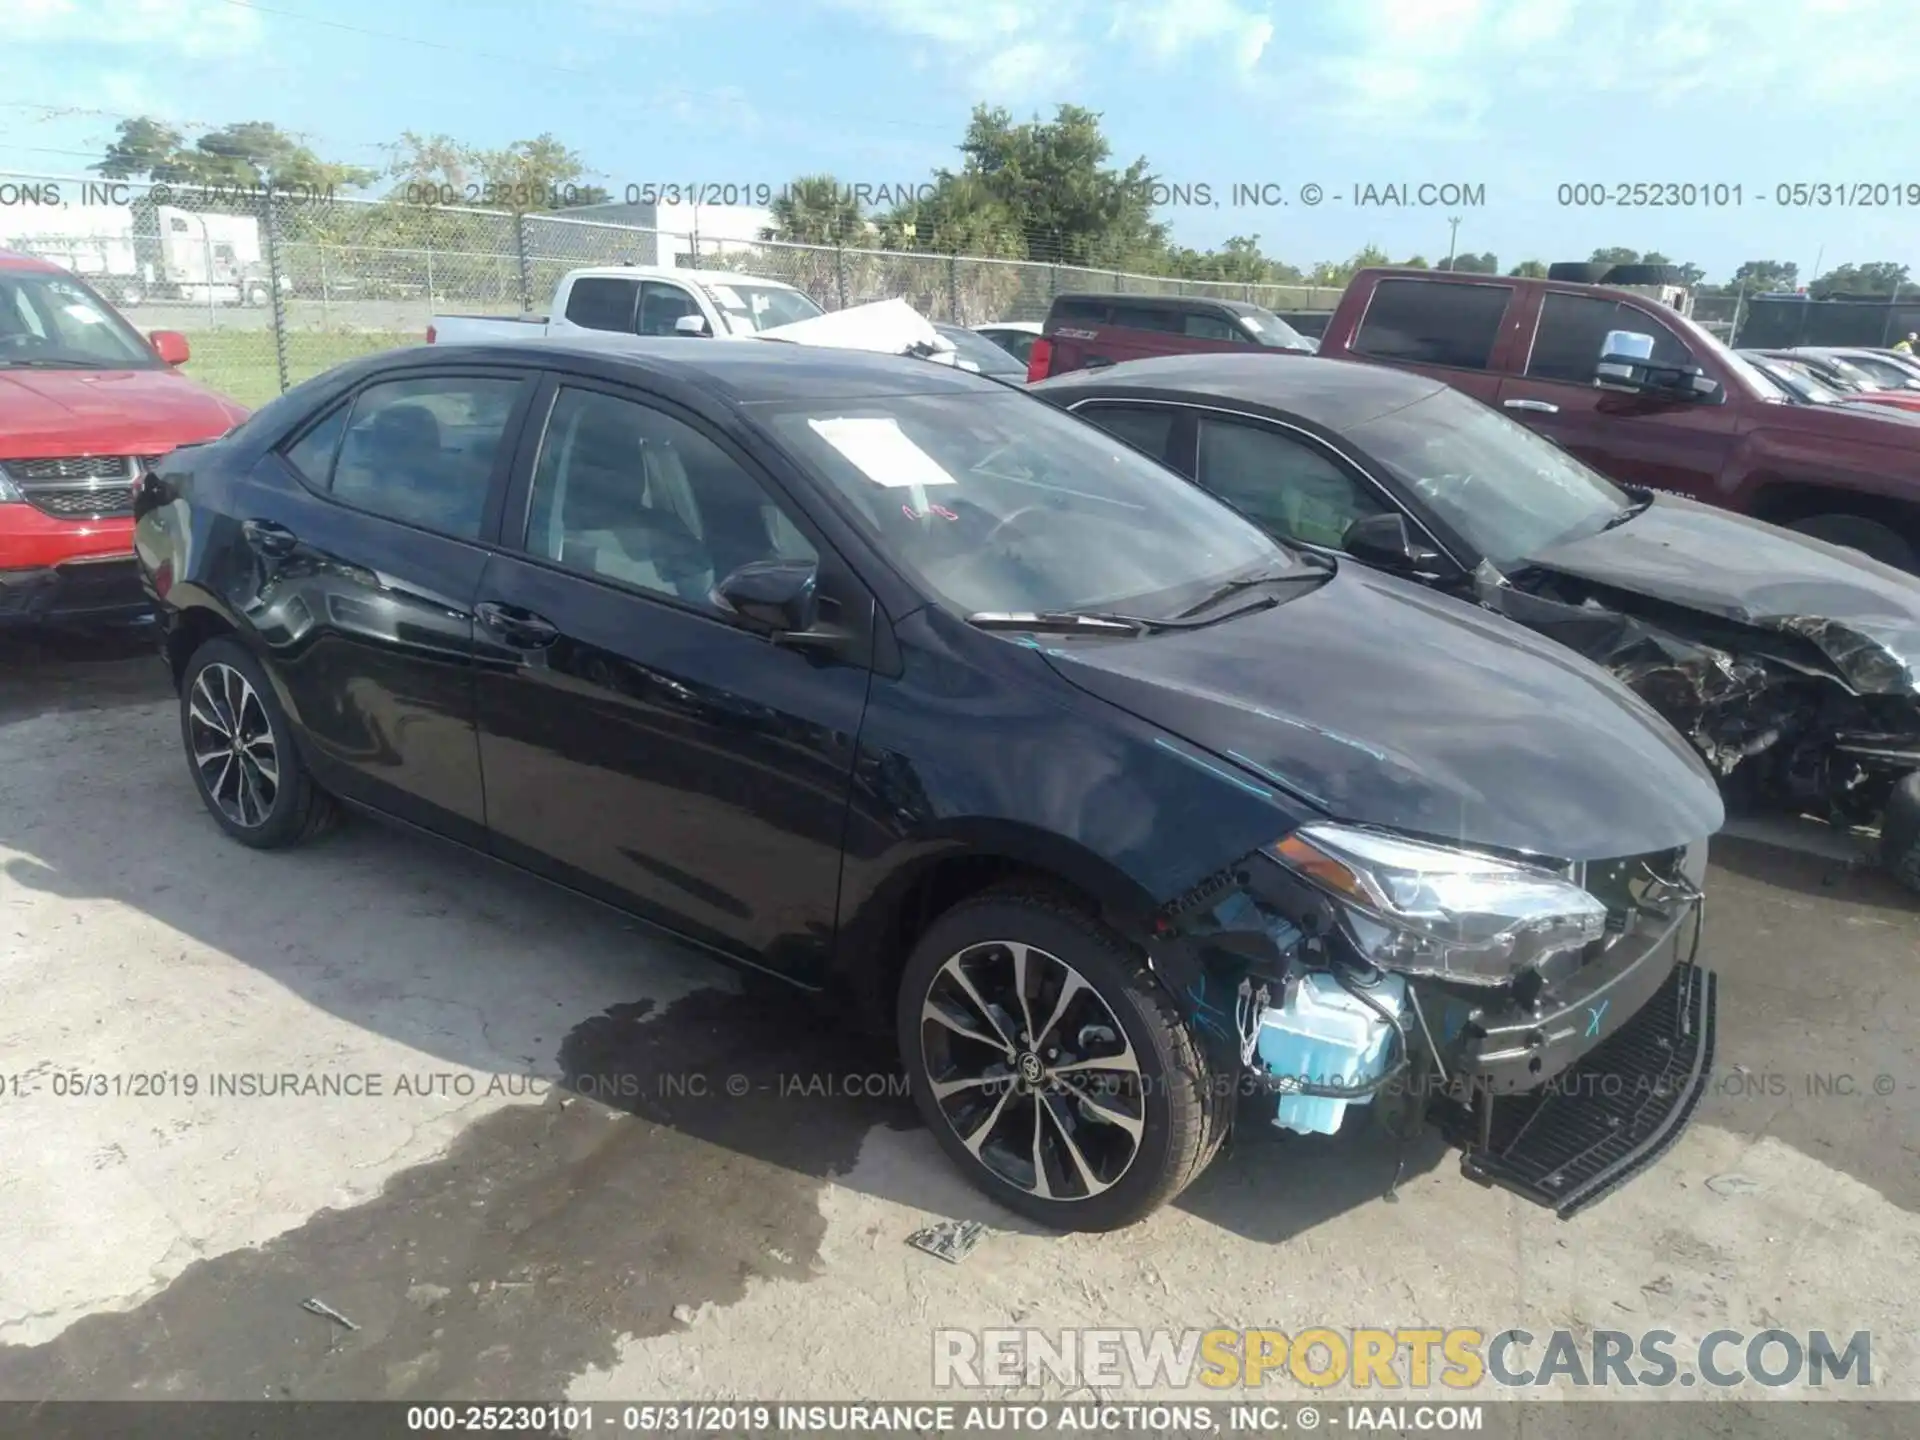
column 47, row 669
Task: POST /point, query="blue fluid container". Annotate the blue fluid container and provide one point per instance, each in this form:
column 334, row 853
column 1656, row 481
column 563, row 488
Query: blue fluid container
column 1325, row 1036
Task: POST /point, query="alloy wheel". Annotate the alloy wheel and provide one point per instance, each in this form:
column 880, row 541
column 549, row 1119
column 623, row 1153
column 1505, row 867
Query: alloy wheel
column 1032, row 1070
column 232, row 746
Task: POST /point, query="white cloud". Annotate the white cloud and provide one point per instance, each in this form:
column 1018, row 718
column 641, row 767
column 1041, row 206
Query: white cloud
column 186, row 28
column 1433, row 66
column 1014, row 50
column 1170, row 29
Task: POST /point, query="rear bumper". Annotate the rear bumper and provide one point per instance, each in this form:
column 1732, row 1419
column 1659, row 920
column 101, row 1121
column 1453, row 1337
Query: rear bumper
column 97, row 590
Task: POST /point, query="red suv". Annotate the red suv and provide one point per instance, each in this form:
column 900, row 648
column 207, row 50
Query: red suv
column 85, row 402
column 1678, row 411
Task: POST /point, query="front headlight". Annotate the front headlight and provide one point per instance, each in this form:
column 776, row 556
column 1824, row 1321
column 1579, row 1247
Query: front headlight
column 1426, row 909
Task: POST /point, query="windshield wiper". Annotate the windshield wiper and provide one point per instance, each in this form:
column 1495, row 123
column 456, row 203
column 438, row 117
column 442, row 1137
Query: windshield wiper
column 1627, row 514
column 1323, row 566
column 1063, row 621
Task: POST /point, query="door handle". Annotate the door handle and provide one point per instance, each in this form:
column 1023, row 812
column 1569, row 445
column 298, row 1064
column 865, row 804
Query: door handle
column 520, row 628
column 1542, row 407
column 268, row 538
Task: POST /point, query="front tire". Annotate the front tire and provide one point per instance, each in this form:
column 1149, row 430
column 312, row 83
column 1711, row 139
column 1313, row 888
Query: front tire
column 1051, row 1066
column 1869, row 537
column 241, row 751
column 1900, row 832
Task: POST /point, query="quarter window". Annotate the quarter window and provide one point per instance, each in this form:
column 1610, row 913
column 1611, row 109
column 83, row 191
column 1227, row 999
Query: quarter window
column 1433, row 322
column 623, row 492
column 423, row 450
column 312, row 454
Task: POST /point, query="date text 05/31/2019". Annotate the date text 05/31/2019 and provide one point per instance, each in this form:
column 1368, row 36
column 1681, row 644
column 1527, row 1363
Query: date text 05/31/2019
column 1726, row 195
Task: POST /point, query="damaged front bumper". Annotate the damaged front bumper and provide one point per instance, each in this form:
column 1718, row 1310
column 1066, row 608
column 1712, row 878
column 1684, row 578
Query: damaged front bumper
column 1559, row 1085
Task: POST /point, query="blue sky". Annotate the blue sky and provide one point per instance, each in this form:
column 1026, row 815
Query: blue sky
column 1518, row 96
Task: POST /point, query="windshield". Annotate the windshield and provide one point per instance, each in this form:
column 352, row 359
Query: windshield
column 984, row 355
column 1851, row 373
column 1508, row 492
column 52, row 320
column 1798, row 383
column 751, row 308
column 1269, row 329
column 1001, row 503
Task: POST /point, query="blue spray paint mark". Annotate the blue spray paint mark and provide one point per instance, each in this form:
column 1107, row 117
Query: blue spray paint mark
column 1282, row 781
column 1215, row 770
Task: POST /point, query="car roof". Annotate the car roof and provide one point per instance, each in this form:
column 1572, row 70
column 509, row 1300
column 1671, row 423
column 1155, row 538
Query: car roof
column 743, row 372
column 17, row 260
column 668, row 272
column 1025, row 327
column 1333, row 393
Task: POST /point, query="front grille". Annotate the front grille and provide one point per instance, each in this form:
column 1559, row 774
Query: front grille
column 77, row 487
column 69, row 468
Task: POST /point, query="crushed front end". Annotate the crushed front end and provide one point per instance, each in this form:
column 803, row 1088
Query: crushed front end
column 1549, row 1019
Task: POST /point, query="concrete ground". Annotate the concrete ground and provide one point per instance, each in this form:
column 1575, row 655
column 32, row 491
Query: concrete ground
column 538, row 1205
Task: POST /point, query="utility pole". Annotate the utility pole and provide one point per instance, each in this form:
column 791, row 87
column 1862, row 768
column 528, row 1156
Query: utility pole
column 1453, row 235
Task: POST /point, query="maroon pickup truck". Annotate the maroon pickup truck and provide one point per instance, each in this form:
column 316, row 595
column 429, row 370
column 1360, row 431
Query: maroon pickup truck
column 1671, row 408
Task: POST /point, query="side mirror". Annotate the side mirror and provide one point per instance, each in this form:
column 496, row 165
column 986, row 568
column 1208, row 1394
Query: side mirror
column 171, row 346
column 1386, row 541
column 1626, row 363
column 690, row 325
column 776, row 595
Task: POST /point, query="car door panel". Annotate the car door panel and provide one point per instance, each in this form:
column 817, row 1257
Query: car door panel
column 1673, row 445
column 640, row 746
column 367, row 618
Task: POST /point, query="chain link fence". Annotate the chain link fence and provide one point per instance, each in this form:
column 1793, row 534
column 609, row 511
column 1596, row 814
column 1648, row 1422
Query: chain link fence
column 272, row 287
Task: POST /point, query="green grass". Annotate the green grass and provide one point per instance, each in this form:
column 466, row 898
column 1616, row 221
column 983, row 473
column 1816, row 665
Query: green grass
column 243, row 364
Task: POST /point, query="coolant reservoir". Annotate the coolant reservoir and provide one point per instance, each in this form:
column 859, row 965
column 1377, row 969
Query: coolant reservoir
column 1323, row 1035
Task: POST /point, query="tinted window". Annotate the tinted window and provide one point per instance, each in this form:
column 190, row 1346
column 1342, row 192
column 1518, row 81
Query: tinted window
column 1287, row 486
column 1145, row 427
column 51, row 318
column 603, row 304
column 312, row 454
column 1080, row 312
column 422, row 450
column 661, row 305
column 980, row 352
column 1573, row 328
column 1433, row 322
column 1147, row 317
column 625, row 493
column 1214, row 327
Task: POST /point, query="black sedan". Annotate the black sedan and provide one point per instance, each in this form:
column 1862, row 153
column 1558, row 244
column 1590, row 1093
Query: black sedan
column 1793, row 666
column 907, row 688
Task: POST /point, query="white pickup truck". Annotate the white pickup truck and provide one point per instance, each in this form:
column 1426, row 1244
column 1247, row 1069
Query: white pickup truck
column 642, row 300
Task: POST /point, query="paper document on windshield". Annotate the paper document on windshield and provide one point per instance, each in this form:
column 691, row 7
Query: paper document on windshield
column 882, row 451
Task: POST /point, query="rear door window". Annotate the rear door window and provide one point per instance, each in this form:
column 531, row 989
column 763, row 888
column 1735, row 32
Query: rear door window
column 1433, row 322
column 1573, row 328
column 603, row 303
column 422, row 450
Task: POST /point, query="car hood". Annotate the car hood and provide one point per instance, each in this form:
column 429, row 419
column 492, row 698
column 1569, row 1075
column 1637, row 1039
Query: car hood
column 1864, row 617
column 1381, row 703
column 103, row 412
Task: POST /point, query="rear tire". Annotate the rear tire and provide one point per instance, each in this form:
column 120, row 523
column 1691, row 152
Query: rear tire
column 241, row 751
column 1870, row 537
column 1581, row 272
column 1092, row 1146
column 1900, row 833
